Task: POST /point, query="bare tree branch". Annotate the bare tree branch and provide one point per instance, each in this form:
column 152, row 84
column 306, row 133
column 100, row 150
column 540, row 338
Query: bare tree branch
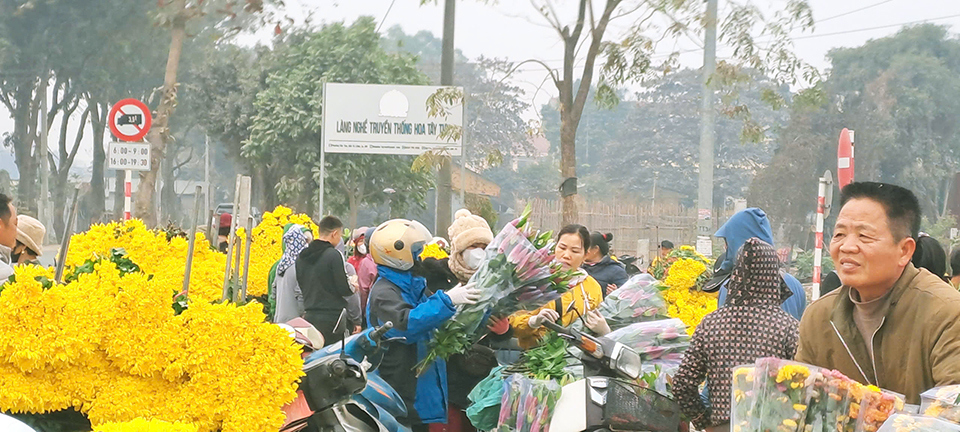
column 592, row 52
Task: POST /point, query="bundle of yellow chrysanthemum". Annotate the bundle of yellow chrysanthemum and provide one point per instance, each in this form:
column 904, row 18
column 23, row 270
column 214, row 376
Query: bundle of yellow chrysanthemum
column 433, row 250
column 143, row 425
column 267, row 246
column 165, row 260
column 683, row 274
column 111, row 347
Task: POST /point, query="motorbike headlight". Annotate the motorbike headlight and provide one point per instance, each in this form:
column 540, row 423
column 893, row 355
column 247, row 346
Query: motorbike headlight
column 627, row 362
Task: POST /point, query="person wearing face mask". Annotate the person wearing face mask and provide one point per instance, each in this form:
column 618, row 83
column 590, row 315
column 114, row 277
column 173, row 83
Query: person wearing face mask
column 359, row 249
column 469, row 236
column 366, row 272
column 323, row 279
column 288, row 257
column 585, row 293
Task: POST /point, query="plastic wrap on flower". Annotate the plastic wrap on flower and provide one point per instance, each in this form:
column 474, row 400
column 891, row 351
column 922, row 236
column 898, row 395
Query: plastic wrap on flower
column 782, row 394
column 917, row 423
column 528, row 405
column 638, row 300
column 744, row 403
column 876, row 406
column 942, row 402
column 830, row 399
column 658, row 342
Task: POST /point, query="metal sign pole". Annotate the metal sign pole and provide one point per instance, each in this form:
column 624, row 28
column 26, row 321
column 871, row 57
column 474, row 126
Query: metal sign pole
column 818, row 252
column 323, row 134
column 127, row 191
column 230, row 242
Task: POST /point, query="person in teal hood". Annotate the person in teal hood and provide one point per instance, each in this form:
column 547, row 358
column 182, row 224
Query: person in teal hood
column 272, row 276
column 744, row 225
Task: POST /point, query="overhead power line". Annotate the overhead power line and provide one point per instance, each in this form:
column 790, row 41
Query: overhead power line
column 855, row 11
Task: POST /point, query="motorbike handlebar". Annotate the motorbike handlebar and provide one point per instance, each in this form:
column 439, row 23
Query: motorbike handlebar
column 556, row 327
column 378, row 333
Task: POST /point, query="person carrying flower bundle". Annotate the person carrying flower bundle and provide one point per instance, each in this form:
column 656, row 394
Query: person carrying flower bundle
column 746, row 224
column 285, row 290
column 573, row 241
column 609, row 273
column 750, row 326
column 890, row 324
column 401, row 297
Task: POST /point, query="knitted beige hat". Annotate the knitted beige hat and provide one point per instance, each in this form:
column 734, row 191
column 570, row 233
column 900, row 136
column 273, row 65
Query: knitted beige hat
column 30, row 232
column 467, row 230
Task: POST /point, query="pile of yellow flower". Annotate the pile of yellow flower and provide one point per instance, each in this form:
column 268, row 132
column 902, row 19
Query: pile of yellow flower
column 683, row 274
column 112, row 348
column 165, row 260
column 267, row 246
column 142, row 425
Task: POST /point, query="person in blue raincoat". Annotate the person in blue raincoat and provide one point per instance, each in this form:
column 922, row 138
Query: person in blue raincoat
column 401, row 297
column 748, row 223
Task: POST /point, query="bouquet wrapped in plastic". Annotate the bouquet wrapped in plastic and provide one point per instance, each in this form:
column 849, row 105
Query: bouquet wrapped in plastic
column 638, row 300
column 917, row 423
column 518, row 274
column 831, row 394
column 658, row 342
column 784, row 396
column 527, row 404
column 942, row 402
column 876, row 407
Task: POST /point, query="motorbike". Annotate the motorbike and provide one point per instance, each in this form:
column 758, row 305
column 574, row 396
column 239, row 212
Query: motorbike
column 341, row 391
column 608, row 398
column 631, row 264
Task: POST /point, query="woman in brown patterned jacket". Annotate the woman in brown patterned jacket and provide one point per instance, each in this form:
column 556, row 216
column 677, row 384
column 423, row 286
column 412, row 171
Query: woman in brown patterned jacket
column 750, row 326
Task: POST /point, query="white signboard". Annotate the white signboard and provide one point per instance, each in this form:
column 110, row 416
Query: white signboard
column 128, row 156
column 385, row 119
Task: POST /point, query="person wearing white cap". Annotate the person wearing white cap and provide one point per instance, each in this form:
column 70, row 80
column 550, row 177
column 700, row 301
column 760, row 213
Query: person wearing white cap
column 30, row 233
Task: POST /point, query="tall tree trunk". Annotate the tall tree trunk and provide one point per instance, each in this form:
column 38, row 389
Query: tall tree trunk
column 354, row 208
column 23, row 149
column 160, row 131
column 97, row 196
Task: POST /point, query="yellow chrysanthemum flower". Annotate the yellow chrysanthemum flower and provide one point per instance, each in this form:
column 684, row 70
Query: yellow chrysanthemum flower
column 142, row 425
column 267, row 245
column 433, row 250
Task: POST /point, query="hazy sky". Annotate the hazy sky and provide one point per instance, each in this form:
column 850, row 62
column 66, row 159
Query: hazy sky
column 514, row 30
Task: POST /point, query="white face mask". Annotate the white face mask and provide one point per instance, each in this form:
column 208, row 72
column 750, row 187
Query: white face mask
column 473, row 257
column 362, row 248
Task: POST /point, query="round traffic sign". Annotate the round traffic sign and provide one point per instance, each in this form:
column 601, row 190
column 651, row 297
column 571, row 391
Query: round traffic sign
column 845, row 165
column 130, row 120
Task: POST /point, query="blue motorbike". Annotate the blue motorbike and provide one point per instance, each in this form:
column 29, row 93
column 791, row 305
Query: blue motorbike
column 341, row 391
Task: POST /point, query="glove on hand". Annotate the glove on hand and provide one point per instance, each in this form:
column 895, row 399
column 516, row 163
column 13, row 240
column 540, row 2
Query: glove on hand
column 464, row 294
column 545, row 315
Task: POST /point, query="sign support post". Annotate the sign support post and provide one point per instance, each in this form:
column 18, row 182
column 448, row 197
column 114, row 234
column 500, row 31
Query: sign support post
column 127, row 190
column 824, row 203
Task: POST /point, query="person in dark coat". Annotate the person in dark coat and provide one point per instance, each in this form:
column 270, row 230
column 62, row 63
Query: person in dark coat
column 752, row 325
column 609, row 273
column 323, row 279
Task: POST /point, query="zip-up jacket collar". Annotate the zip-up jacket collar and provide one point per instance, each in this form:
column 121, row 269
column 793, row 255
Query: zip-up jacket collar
column 843, row 324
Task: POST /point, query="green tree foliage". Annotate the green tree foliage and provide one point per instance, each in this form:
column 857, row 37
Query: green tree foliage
column 285, row 129
column 495, row 130
column 901, row 94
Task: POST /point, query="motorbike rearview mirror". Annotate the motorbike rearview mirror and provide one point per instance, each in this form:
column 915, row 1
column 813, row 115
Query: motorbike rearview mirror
column 341, row 329
column 572, row 307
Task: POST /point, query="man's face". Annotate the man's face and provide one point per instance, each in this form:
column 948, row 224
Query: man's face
column 8, row 229
column 866, row 254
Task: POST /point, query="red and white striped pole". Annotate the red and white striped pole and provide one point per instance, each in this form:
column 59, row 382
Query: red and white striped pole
column 127, row 189
column 818, row 252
